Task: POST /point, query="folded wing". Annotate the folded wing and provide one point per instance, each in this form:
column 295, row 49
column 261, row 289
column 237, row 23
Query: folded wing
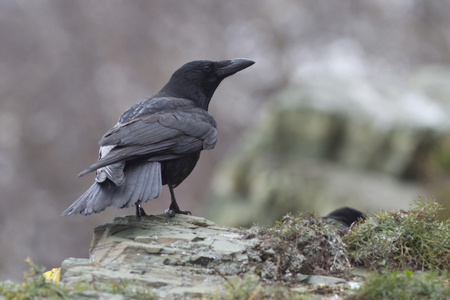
column 157, row 137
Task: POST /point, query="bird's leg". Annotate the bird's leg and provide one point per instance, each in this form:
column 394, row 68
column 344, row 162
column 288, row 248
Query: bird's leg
column 140, row 212
column 174, row 208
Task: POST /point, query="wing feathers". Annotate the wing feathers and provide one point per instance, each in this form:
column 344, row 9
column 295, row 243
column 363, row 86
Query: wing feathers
column 158, row 137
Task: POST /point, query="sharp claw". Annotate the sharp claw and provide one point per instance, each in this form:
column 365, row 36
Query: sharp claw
column 172, row 212
column 174, row 208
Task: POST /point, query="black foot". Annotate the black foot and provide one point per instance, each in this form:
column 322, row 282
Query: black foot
column 140, row 212
column 174, row 209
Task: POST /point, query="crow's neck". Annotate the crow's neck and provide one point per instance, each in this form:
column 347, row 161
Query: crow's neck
column 187, row 91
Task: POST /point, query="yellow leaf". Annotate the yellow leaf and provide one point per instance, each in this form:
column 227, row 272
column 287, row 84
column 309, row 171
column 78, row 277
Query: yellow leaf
column 53, row 275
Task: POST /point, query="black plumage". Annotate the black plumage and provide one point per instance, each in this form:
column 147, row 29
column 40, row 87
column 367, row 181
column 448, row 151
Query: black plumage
column 158, row 141
column 343, row 218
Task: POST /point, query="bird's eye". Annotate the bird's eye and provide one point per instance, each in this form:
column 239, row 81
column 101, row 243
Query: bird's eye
column 207, row 68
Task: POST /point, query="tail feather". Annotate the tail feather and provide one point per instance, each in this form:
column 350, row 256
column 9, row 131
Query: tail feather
column 154, row 190
column 139, row 180
column 142, row 183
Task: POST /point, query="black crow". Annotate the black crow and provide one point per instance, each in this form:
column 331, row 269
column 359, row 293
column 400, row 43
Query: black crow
column 344, row 218
column 158, row 141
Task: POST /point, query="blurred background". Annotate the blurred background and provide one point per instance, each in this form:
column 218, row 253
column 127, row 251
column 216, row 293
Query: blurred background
column 347, row 104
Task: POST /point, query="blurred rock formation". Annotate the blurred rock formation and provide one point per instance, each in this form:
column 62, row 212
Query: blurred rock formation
column 331, row 141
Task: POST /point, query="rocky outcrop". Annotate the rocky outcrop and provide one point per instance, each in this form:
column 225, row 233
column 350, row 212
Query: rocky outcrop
column 179, row 257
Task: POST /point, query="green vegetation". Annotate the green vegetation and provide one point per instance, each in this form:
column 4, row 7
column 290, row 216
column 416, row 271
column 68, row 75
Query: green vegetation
column 251, row 287
column 412, row 240
column 386, row 241
column 298, row 245
column 404, row 285
column 35, row 286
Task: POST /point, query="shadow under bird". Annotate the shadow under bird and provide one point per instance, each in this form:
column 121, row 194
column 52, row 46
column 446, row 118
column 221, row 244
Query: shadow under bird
column 158, row 141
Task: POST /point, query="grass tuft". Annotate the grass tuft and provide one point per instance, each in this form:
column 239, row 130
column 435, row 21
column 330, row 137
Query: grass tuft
column 404, row 285
column 412, row 240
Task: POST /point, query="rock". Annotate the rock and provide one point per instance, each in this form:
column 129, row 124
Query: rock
column 319, row 279
column 433, row 81
column 178, row 258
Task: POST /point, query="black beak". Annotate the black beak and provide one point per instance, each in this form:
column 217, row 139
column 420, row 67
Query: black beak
column 230, row 67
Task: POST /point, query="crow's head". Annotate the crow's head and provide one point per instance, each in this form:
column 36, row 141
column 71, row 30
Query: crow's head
column 198, row 80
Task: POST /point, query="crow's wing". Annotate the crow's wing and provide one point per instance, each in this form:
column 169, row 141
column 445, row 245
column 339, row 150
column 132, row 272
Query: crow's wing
column 159, row 136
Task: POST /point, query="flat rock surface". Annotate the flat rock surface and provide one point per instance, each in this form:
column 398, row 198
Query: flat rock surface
column 179, row 257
